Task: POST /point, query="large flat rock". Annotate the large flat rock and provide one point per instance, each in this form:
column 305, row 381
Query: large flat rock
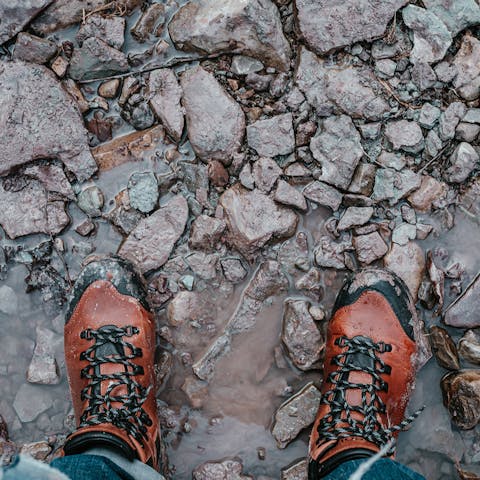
column 15, row 15
column 326, row 25
column 39, row 120
column 251, row 27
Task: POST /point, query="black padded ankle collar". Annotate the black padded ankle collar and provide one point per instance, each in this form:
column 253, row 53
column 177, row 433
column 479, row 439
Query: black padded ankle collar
column 318, row 469
column 85, row 441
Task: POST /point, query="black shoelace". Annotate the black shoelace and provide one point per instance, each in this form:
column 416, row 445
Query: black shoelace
column 110, row 347
column 360, row 355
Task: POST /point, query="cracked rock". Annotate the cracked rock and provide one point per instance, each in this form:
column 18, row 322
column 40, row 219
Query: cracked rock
column 15, row 15
column 323, row 194
column 206, row 232
column 252, row 28
column 151, row 242
column 165, row 100
column 228, row 469
column 96, row 59
column 343, row 23
column 461, row 396
column 405, row 135
column 32, row 49
column 408, row 262
column 369, row 247
column 297, row 413
column 30, row 92
column 355, row 217
column 346, row 89
column 331, row 254
column 338, row 149
column 462, row 313
column 273, row 136
column 216, row 123
column 431, row 38
column 393, row 186
column 109, row 29
column 253, row 219
column 462, row 162
column 301, row 336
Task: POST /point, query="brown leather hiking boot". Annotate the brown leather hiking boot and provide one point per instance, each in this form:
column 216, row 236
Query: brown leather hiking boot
column 369, row 371
column 109, row 352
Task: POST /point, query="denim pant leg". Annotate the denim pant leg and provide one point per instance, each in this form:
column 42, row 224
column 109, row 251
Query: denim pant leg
column 381, row 470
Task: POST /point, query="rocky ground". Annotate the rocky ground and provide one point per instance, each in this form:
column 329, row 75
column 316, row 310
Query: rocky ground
column 246, row 154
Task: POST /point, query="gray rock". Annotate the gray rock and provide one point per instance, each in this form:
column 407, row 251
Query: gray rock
column 385, row 67
column 301, row 336
column 246, row 177
column 297, row 413
column 108, row 29
column 369, row 247
column 370, row 131
column 423, row 76
column 143, row 191
column 8, row 300
column 96, row 59
column 462, row 312
column 151, row 242
column 331, row 254
column 26, row 209
column 216, row 123
column 30, row 401
column 461, row 396
column 431, row 37
column 15, row 15
column 405, row 135
column 294, row 254
column 63, row 13
column 206, row 232
column 462, row 162
column 467, row 66
column 233, row 270
column 165, row 95
column 355, row 217
column 408, row 262
column 266, row 173
column 252, row 28
column 288, row 195
column 253, row 219
column 323, row 194
column 433, row 144
column 449, row 120
column 393, row 186
column 467, row 132
column 347, row 89
column 227, row 469
column 32, row 49
column 273, row 136
column 123, row 216
column 403, row 233
column 363, row 179
column 138, row 113
column 91, row 200
column 456, row 15
column 429, row 114
column 396, row 161
column 203, row 265
column 153, row 16
column 472, row 116
column 243, row 65
column 338, row 149
column 29, row 93
column 343, row 23
column 43, row 367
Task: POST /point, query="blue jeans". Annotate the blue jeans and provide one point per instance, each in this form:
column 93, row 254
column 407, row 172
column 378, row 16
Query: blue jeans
column 99, row 467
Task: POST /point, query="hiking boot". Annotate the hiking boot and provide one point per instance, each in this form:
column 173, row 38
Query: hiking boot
column 369, row 371
column 109, row 352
